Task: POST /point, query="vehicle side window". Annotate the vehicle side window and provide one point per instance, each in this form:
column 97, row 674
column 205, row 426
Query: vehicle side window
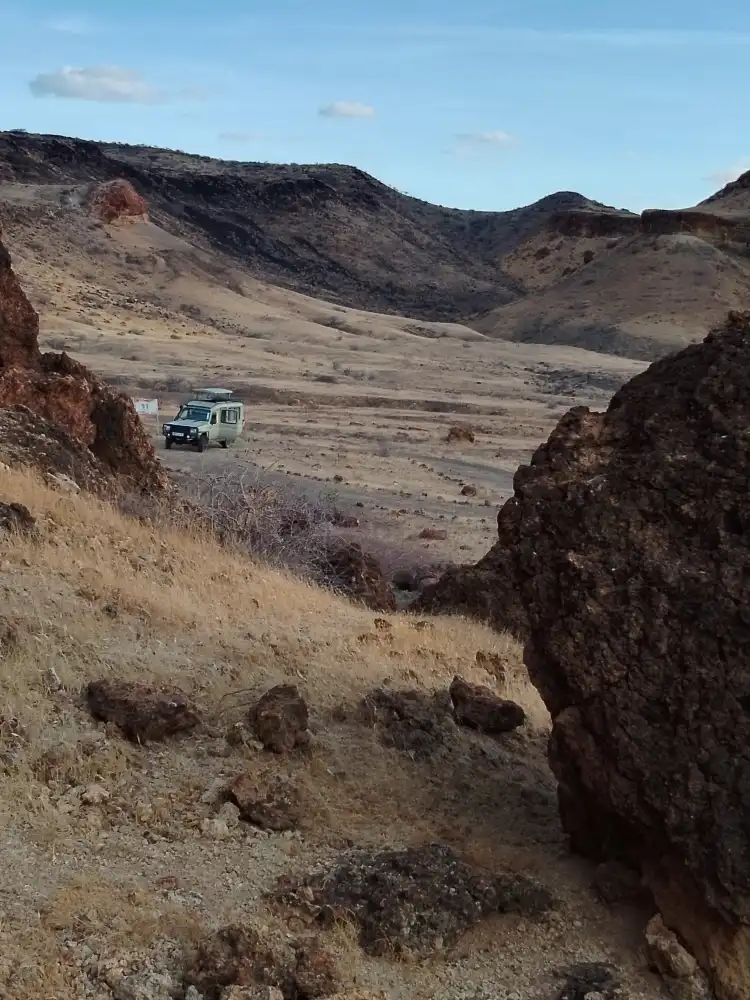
column 213, row 418
column 229, row 416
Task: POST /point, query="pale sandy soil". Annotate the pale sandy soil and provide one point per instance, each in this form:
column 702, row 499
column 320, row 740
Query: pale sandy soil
column 330, row 391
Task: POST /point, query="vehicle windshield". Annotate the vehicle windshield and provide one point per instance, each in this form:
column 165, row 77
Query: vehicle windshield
column 199, row 414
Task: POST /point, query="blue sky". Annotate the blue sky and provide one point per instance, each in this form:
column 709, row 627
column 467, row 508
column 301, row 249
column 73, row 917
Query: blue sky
column 478, row 104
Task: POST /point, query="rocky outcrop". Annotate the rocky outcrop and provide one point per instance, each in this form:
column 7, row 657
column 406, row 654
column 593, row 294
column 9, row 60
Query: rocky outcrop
column 632, row 557
column 19, row 324
column 348, row 568
column 487, row 590
column 117, row 200
column 67, row 396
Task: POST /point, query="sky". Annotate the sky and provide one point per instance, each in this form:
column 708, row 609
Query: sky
column 484, row 104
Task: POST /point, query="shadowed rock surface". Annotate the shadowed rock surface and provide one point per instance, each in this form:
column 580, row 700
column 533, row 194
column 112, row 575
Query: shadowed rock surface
column 417, row 901
column 486, row 591
column 140, row 712
column 632, row 556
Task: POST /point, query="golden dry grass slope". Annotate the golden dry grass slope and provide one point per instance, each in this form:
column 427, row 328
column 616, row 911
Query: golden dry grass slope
column 112, row 862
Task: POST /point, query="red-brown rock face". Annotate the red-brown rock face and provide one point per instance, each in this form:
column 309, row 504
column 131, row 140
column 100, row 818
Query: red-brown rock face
column 115, row 200
column 67, row 394
column 19, row 324
column 632, row 556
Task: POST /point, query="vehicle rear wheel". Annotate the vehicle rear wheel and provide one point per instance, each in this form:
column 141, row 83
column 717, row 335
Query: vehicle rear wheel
column 202, row 442
column 223, row 443
column 167, row 444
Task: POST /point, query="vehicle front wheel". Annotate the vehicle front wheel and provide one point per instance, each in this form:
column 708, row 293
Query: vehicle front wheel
column 167, row 444
column 202, row 442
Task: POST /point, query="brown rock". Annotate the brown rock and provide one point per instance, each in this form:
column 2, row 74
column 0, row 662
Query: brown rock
column 468, row 490
column 252, row 993
column 347, row 567
column 415, row 902
column 315, row 972
column 632, row 555
column 479, row 708
column 433, row 534
column 142, row 713
column 486, row 591
column 69, row 396
column 268, row 800
column 19, row 323
column 279, row 719
column 618, row 883
column 413, row 721
column 458, row 433
column 237, row 956
column 116, row 200
column 666, row 954
column 15, row 518
column 29, row 440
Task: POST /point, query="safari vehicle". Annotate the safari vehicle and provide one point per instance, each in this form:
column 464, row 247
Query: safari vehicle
column 211, row 416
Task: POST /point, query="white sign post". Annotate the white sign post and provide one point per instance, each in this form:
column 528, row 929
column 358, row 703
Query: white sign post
column 148, row 407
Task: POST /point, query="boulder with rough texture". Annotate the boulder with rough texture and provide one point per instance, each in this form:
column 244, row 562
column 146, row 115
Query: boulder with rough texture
column 240, row 957
column 29, row 440
column 67, row 395
column 15, row 518
column 19, row 323
column 141, row 713
column 416, row 901
column 279, row 719
column 266, row 799
column 486, row 591
column 479, row 708
column 116, row 200
column 632, row 555
column 352, row 571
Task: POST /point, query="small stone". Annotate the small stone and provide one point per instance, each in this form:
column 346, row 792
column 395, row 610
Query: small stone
column 217, row 829
column 479, row 708
column 270, row 801
column 94, row 795
column 666, row 954
column 280, row 719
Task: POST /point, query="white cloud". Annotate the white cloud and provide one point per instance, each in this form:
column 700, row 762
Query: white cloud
column 347, row 109
column 95, row 83
column 494, row 137
column 724, row 177
column 74, row 24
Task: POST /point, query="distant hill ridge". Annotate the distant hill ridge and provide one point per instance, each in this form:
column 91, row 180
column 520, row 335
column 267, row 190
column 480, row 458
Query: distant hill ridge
column 334, row 232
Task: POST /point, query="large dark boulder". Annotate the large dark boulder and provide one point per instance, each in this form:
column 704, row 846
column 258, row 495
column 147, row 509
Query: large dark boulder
column 632, row 557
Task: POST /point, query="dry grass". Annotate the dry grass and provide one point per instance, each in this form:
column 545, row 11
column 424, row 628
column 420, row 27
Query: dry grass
column 97, row 594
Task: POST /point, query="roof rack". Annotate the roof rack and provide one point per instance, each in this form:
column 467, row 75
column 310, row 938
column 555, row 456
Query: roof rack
column 213, row 395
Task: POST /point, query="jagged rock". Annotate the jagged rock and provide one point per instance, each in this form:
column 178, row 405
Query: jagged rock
column 415, row 901
column 279, row 719
column 315, row 972
column 409, row 720
column 15, row 518
column 117, row 199
column 487, row 590
column 348, row 568
column 618, row 883
column 239, row 957
column 666, row 954
column 632, row 555
column 458, row 433
column 27, row 439
column 479, row 708
column 251, row 993
column 67, row 395
column 142, row 713
column 19, row 323
column 267, row 799
column 587, row 980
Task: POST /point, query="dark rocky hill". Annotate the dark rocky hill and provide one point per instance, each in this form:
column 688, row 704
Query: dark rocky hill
column 326, row 230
